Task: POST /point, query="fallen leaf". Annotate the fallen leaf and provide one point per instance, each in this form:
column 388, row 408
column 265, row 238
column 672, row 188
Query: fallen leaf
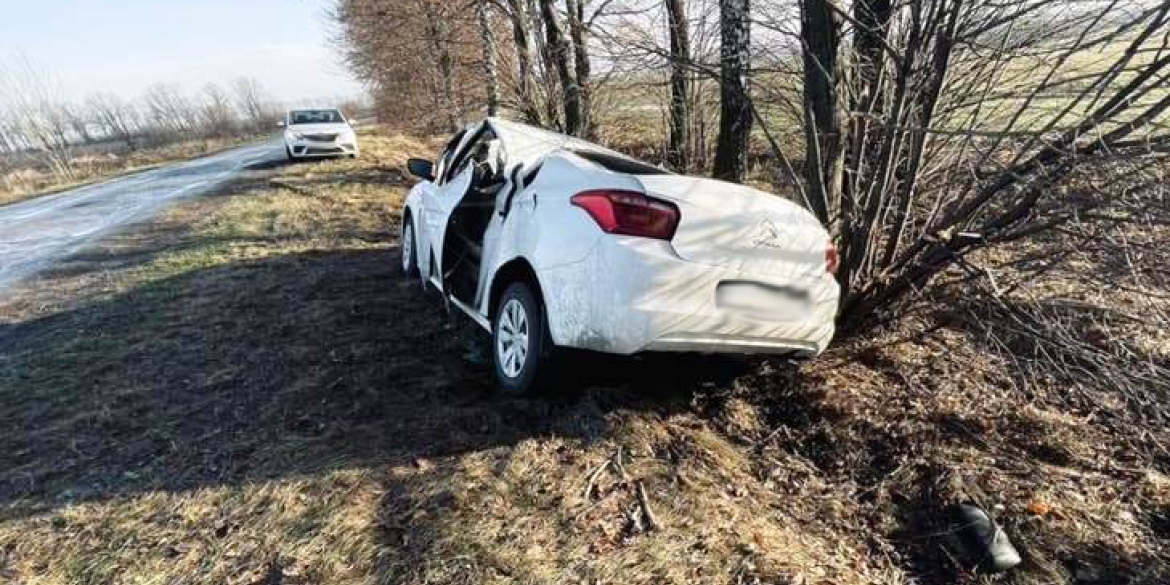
column 1039, row 508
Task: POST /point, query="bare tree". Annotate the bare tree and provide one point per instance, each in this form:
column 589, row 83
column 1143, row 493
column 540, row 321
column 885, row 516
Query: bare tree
column 582, row 68
column 10, row 141
column 41, row 121
column 219, row 119
column 491, row 75
column 735, row 118
column 521, row 38
column 550, row 86
column 253, row 103
column 823, row 115
column 678, row 152
column 170, row 112
column 439, row 41
column 78, row 121
column 947, row 151
column 558, row 52
column 115, row 117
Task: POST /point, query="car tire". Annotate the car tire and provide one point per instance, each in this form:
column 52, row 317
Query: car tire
column 288, row 152
column 521, row 348
column 432, row 272
column 408, row 249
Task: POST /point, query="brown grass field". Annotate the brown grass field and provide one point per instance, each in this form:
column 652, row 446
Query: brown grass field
column 245, row 391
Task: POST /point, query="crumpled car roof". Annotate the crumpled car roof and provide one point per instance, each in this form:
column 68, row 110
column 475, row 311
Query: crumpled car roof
column 524, row 144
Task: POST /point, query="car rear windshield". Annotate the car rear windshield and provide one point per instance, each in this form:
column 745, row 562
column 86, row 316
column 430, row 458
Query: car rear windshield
column 315, row 117
column 620, row 164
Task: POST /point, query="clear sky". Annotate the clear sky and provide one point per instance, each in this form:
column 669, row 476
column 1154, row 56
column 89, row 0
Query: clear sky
column 125, row 45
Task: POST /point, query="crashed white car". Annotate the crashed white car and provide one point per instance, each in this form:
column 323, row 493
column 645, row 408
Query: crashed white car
column 553, row 242
column 318, row 132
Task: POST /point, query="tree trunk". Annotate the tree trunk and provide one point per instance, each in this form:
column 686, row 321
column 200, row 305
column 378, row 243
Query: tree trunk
column 578, row 34
column 678, row 153
column 6, row 143
column 551, row 101
column 521, row 36
column 489, row 58
column 735, row 114
column 873, row 22
column 559, row 54
column 823, row 84
column 437, row 33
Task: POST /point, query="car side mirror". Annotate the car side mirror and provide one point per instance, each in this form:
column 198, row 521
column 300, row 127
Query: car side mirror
column 280, row 124
column 421, row 168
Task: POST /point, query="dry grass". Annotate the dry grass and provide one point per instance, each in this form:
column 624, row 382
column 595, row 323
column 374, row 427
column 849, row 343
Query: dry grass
column 28, row 181
column 243, row 391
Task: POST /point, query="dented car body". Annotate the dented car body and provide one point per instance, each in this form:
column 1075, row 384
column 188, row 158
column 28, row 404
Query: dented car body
column 550, row 241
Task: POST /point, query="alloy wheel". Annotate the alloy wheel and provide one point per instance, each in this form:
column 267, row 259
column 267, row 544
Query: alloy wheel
column 407, row 247
column 512, row 341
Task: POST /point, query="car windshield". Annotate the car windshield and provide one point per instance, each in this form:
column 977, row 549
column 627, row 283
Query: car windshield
column 315, row 117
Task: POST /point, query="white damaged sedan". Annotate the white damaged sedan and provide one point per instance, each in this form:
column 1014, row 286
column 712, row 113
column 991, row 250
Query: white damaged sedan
column 549, row 241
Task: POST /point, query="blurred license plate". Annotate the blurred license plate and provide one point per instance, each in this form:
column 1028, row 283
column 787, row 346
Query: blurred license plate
column 763, row 301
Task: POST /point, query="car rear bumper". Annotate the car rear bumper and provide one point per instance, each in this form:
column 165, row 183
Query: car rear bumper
column 633, row 294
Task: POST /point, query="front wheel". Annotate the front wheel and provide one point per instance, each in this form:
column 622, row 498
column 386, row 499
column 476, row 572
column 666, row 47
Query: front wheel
column 520, row 344
column 407, row 248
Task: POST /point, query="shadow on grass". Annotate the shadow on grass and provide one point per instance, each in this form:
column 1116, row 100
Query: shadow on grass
column 291, row 365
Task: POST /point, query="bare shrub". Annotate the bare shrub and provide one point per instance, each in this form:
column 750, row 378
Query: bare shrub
column 256, row 107
column 39, row 120
column 117, row 118
column 934, row 129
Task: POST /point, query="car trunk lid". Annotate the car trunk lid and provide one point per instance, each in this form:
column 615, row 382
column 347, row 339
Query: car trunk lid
column 730, row 225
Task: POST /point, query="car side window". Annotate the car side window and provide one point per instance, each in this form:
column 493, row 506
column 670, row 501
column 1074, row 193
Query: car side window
column 464, row 157
column 530, row 176
column 444, row 160
column 441, row 165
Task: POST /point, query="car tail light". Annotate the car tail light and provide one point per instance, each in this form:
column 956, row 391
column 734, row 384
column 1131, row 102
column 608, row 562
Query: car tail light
column 832, row 259
column 629, row 213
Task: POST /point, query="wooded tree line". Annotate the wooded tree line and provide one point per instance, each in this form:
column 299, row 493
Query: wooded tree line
column 39, row 126
column 917, row 130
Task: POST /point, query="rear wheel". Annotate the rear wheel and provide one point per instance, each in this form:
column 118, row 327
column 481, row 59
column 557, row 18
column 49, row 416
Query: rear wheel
column 520, row 344
column 407, row 249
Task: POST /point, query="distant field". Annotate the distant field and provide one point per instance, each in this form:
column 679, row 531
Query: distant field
column 631, row 113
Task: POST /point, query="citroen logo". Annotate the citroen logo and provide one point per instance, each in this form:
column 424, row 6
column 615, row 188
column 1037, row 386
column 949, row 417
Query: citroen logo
column 768, row 235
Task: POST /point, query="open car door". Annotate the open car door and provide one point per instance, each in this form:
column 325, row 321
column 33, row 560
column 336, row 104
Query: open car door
column 438, row 197
column 467, row 223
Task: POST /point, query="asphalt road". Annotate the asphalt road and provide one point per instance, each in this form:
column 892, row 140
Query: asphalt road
column 37, row 232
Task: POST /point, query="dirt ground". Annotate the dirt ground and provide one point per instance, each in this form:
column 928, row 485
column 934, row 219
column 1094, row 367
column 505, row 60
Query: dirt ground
column 246, row 391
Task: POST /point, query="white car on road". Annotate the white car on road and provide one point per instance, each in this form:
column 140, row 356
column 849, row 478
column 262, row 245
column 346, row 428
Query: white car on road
column 553, row 242
column 318, row 132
